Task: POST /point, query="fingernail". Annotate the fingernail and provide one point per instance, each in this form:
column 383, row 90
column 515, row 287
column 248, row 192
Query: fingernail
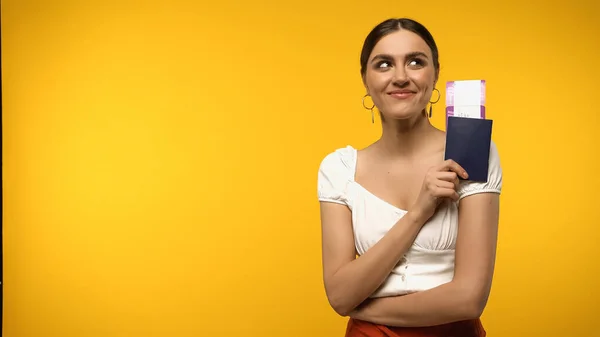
column 465, row 174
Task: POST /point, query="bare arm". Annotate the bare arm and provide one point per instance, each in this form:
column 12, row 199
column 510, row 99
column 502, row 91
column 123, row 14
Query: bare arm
column 466, row 295
column 350, row 280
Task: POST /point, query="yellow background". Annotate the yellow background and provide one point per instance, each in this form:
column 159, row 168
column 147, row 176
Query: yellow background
column 160, row 160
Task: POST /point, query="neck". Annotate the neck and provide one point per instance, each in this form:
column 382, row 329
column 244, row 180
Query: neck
column 406, row 137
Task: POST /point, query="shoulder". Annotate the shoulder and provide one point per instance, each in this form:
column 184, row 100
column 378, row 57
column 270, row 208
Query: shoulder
column 494, row 179
column 336, row 171
column 339, row 161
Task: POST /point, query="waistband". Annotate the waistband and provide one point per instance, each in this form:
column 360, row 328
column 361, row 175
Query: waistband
column 470, row 328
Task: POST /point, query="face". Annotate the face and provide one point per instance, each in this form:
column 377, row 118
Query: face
column 400, row 75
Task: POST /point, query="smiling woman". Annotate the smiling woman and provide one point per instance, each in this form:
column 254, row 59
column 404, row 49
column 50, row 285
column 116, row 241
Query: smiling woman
column 426, row 240
column 393, row 54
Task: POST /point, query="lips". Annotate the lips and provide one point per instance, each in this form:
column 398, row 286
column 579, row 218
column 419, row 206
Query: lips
column 401, row 93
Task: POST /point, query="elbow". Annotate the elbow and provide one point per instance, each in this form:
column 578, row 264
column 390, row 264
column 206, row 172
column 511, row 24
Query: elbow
column 340, row 306
column 343, row 312
column 339, row 302
column 474, row 310
column 473, row 299
column 476, row 302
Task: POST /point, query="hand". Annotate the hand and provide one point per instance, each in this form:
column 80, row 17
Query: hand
column 440, row 184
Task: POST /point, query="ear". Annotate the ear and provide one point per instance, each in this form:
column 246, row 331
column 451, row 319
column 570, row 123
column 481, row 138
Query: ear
column 437, row 77
column 365, row 84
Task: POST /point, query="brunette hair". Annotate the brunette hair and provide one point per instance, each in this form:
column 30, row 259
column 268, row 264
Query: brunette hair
column 393, row 25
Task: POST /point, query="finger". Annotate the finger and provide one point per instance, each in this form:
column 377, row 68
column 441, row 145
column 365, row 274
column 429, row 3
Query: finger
column 450, row 177
column 456, row 183
column 451, row 165
column 455, row 196
column 446, row 175
column 446, row 185
column 446, row 193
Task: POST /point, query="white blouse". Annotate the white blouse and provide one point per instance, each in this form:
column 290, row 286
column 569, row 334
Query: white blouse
column 430, row 260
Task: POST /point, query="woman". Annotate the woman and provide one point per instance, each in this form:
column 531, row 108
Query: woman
column 425, row 239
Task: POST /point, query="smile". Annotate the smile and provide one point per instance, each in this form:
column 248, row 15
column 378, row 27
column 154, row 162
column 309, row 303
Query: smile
column 401, row 94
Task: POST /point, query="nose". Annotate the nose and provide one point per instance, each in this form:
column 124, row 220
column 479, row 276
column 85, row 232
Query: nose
column 400, row 76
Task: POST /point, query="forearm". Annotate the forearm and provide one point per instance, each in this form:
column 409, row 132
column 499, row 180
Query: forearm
column 450, row 302
column 358, row 279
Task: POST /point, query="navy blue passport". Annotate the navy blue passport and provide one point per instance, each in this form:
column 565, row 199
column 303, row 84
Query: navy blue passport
column 468, row 142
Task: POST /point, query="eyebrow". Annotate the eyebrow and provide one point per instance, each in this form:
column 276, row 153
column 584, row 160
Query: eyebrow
column 389, row 57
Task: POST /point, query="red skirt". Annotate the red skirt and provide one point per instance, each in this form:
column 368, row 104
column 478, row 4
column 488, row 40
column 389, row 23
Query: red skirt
column 471, row 328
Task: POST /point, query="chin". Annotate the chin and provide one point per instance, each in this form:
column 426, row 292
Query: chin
column 402, row 115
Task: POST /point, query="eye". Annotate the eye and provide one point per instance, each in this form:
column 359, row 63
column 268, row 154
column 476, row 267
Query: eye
column 416, row 63
column 383, row 64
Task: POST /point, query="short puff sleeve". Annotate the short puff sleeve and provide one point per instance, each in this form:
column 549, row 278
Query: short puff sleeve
column 494, row 181
column 334, row 176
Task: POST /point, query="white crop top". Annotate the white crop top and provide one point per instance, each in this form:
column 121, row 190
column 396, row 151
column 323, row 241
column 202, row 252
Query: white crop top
column 430, row 260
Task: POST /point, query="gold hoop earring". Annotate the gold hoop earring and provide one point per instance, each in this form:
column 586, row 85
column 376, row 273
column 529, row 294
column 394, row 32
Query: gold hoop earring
column 432, row 103
column 371, row 108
